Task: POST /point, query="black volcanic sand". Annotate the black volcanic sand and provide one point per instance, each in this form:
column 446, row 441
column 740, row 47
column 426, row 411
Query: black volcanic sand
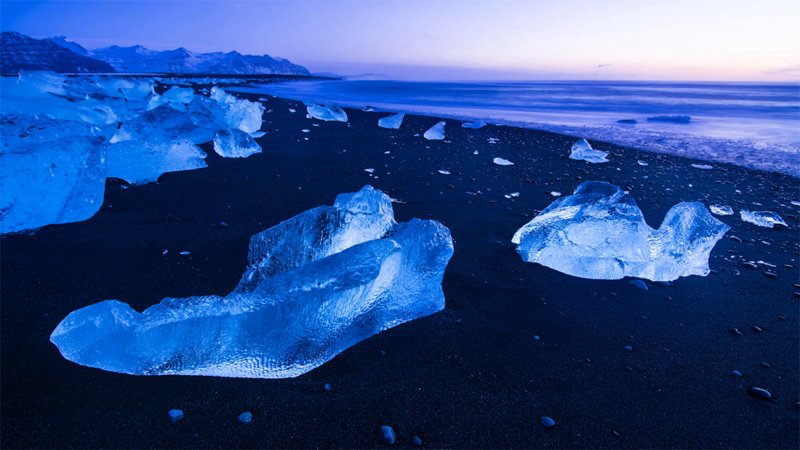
column 471, row 376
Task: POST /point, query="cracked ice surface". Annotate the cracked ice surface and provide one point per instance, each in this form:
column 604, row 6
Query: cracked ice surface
column 583, row 151
column 600, row 233
column 315, row 285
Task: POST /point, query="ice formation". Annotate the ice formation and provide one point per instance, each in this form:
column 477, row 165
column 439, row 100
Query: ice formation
column 721, row 210
column 235, row 144
column 392, row 122
column 583, row 151
column 767, row 219
column 474, row 125
column 315, row 285
column 502, row 162
column 328, row 113
column 435, row 133
column 60, row 131
column 600, row 233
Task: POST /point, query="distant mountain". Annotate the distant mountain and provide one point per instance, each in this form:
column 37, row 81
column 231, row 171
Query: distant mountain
column 19, row 52
column 181, row 60
column 69, row 45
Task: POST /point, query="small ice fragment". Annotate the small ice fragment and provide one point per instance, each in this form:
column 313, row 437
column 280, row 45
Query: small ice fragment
column 767, row 219
column 245, row 417
column 165, row 252
column 292, row 110
column 258, row 134
column 502, row 162
column 327, row 113
column 599, row 232
column 795, row 203
column 435, row 133
column 175, row 415
column 583, row 151
column 306, row 130
column 702, row 166
column 370, row 170
column 493, row 140
column 392, row 122
column 474, row 125
column 444, row 172
column 185, row 253
column 555, row 193
column 721, row 210
column 475, row 152
column 514, row 194
column 641, row 163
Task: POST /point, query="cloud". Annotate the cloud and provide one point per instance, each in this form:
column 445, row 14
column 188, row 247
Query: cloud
column 792, row 68
column 603, row 66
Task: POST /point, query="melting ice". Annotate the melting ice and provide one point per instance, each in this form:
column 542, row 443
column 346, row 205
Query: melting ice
column 599, row 232
column 583, row 151
column 315, row 285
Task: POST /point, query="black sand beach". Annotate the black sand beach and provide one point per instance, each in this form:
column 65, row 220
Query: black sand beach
column 471, row 376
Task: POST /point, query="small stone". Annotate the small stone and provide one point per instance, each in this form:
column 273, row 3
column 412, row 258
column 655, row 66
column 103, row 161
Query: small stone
column 749, row 265
column 536, row 338
column 736, row 331
column 770, row 274
column 221, row 224
column 628, row 348
column 387, row 434
column 246, row 417
column 547, row 421
column 759, row 393
column 327, row 387
column 756, row 328
column 736, row 373
column 765, row 364
column 175, row 415
column 417, row 441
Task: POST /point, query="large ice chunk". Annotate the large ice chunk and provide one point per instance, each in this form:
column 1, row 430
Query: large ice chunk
column 435, row 133
column 599, row 232
column 235, row 144
column 767, row 219
column 328, row 113
column 474, row 125
column 583, row 151
column 140, row 162
column 392, row 122
column 51, row 171
column 324, row 281
column 239, row 113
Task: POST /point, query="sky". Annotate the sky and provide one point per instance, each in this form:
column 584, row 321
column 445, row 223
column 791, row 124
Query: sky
column 714, row 40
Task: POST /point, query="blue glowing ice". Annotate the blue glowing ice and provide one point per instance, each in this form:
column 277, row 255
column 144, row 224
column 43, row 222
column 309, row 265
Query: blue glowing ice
column 599, row 232
column 315, row 285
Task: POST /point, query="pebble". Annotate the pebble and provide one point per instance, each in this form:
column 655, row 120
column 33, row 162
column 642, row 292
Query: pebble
column 175, row 415
column 628, row 348
column 387, row 434
column 756, row 328
column 327, row 387
column 246, row 417
column 770, row 275
column 639, row 284
column 417, row 441
column 736, row 373
column 765, row 364
column 749, row 265
column 736, row 331
column 547, row 421
column 536, row 337
column 221, row 224
column 759, row 393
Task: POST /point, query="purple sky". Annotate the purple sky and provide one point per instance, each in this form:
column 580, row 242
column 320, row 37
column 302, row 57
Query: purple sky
column 491, row 39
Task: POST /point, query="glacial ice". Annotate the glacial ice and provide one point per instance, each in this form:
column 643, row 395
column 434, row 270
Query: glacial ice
column 599, row 232
column 315, row 285
column 328, row 113
column 474, row 125
column 435, row 133
column 502, row 162
column 392, row 122
column 235, row 144
column 767, row 219
column 239, row 113
column 143, row 162
column 721, row 210
column 51, row 171
column 583, row 151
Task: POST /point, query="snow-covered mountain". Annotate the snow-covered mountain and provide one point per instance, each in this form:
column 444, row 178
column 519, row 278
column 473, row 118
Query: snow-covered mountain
column 19, row 52
column 139, row 59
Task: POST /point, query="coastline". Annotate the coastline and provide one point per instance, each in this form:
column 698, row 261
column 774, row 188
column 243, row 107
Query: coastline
column 470, row 376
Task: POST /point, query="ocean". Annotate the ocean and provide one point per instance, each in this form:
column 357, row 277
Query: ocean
column 755, row 125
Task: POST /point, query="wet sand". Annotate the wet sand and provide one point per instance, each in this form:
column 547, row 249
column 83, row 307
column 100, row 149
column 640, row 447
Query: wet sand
column 470, row 376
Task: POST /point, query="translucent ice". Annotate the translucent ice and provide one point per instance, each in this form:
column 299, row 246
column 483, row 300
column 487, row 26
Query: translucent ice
column 721, row 210
column 51, row 171
column 766, row 219
column 435, row 133
column 315, row 285
column 239, row 113
column 143, row 162
column 583, row 151
column 391, row 122
column 176, row 97
column 502, row 162
column 599, row 232
column 235, row 144
column 328, row 113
